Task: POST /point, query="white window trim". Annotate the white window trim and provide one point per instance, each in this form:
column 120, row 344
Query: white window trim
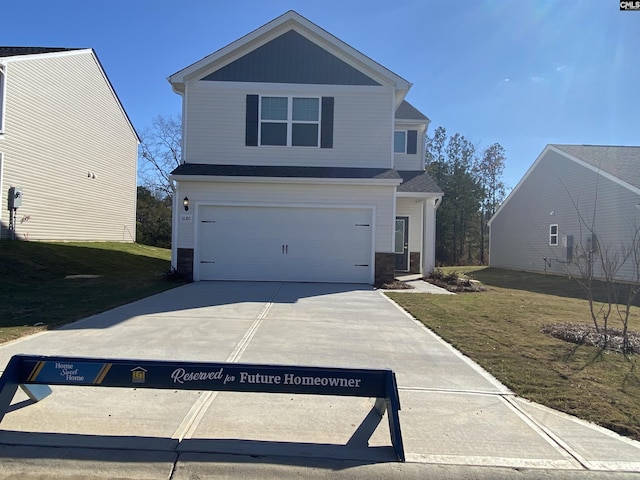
column 553, row 235
column 289, row 121
column 404, row 132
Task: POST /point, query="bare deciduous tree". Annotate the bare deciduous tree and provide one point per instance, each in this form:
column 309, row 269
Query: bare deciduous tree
column 160, row 153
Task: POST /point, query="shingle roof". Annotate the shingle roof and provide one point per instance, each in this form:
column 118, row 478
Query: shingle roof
column 16, row 51
column 406, row 111
column 621, row 162
column 285, row 171
column 415, row 182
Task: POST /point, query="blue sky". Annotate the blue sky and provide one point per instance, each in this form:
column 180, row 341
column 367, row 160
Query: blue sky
column 521, row 73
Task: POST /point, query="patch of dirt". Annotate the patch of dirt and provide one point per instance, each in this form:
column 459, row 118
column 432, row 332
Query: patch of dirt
column 582, row 334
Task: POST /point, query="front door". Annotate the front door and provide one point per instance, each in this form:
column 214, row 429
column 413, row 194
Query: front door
column 402, row 244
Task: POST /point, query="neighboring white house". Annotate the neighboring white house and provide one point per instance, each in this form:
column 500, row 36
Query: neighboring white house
column 301, row 162
column 67, row 142
column 574, row 199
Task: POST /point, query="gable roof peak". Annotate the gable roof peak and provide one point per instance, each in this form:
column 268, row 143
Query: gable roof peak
column 290, row 20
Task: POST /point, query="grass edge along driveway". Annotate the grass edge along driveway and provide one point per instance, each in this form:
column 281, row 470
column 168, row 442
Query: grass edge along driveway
column 44, row 285
column 500, row 330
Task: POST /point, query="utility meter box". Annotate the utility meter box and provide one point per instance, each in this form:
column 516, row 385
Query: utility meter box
column 15, row 197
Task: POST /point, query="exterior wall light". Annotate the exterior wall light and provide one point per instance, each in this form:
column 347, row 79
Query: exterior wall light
column 185, row 204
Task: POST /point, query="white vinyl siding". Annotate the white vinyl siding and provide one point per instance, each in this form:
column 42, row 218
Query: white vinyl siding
column 70, row 147
column 292, row 195
column 412, row 162
column 560, row 191
column 215, row 122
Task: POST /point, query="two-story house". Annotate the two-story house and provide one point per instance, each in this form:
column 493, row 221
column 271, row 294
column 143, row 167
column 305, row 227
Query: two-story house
column 301, row 162
column 67, row 144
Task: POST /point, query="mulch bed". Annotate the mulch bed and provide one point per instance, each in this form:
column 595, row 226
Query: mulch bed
column 396, row 285
column 458, row 285
column 587, row 335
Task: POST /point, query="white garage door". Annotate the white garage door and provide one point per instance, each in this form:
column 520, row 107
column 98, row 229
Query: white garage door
column 285, row 244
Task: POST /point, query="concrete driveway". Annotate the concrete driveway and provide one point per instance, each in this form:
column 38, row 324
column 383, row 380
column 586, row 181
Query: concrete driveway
column 457, row 421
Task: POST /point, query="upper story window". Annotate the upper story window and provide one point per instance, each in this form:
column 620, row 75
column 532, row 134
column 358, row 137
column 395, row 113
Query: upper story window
column 553, row 234
column 290, row 121
column 399, row 141
column 405, row 141
column 2, row 99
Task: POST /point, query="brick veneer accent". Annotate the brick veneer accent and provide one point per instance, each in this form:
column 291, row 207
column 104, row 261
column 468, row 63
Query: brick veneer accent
column 384, row 269
column 414, row 262
column 184, row 263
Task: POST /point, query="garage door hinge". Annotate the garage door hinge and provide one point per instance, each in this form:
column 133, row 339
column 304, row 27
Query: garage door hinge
column 362, row 225
column 361, row 265
column 207, row 261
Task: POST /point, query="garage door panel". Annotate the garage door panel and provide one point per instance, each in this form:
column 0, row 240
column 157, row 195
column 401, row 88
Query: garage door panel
column 285, row 244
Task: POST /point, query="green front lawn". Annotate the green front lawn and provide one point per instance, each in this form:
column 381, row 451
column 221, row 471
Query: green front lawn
column 500, row 330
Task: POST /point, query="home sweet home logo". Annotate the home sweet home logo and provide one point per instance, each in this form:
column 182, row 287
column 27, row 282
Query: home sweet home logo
column 630, row 5
column 138, row 375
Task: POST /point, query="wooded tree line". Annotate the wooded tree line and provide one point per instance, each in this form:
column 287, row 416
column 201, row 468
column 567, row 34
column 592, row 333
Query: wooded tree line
column 473, row 190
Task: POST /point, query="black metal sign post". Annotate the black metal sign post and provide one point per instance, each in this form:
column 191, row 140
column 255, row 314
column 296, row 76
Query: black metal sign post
column 33, row 373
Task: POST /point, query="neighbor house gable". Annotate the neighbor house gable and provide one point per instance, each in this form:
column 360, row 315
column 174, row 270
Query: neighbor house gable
column 620, row 164
column 9, row 54
column 611, row 162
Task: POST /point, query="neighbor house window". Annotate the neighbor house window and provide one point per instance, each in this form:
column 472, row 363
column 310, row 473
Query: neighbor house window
column 2, row 100
column 553, row 234
column 290, row 121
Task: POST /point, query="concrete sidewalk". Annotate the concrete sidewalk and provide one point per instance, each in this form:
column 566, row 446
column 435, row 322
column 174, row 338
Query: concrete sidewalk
column 457, row 421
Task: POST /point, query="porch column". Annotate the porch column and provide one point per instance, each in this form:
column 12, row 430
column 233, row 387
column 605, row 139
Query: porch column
column 429, row 235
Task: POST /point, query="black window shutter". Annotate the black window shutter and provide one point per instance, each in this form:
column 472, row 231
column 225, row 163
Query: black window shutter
column 412, row 141
column 326, row 123
column 251, row 128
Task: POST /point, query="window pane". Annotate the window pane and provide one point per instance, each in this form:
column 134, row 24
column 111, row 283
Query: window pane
column 306, row 109
column 399, row 236
column 273, row 134
column 553, row 234
column 274, row 108
column 399, row 142
column 304, row 135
